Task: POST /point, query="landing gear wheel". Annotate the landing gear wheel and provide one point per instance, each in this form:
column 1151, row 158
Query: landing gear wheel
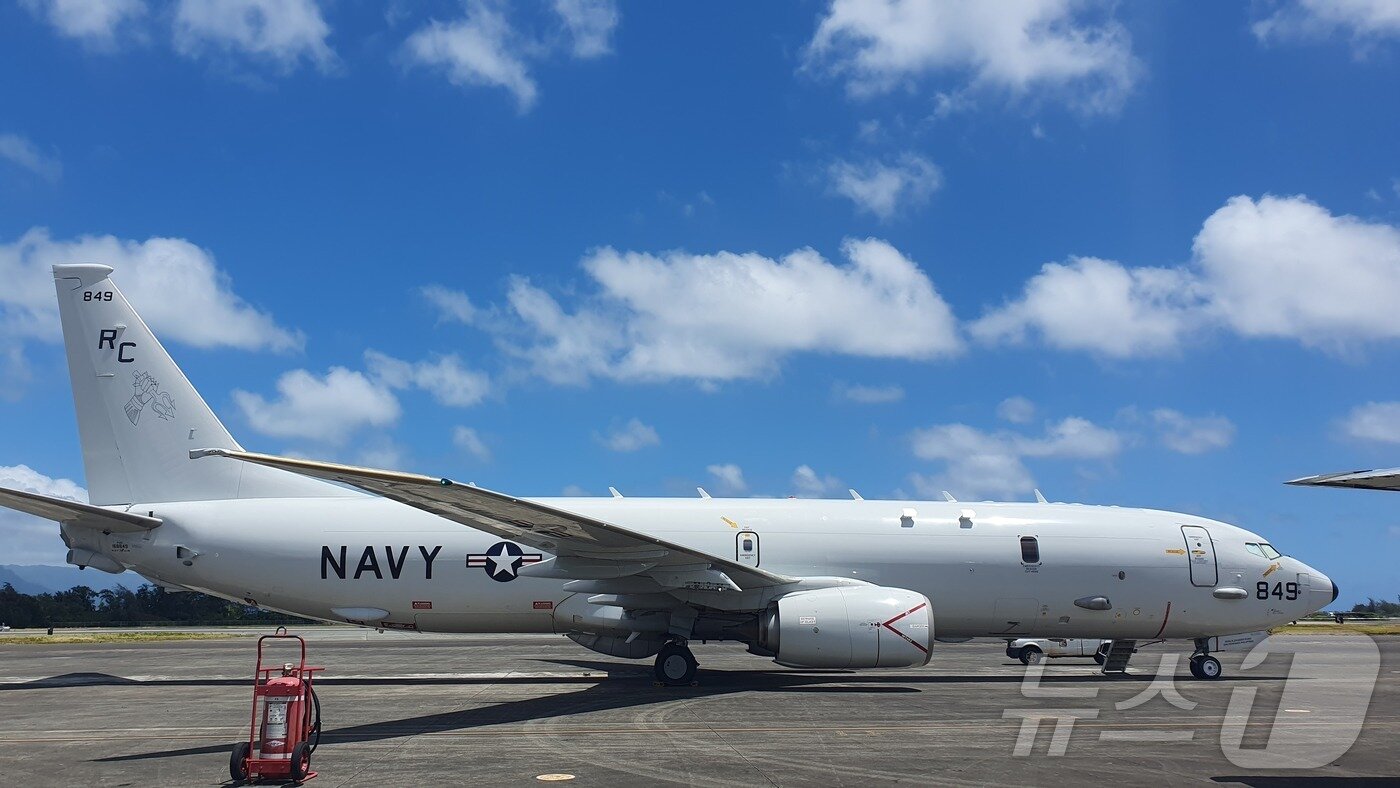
column 1030, row 655
column 675, row 665
column 1206, row 667
column 1100, row 656
column 238, row 763
column 301, row 761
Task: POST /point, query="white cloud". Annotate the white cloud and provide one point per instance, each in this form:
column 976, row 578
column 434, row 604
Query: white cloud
column 327, row 409
column 869, row 395
column 886, row 189
column 445, row 378
column 590, row 24
column 1286, row 267
column 94, row 22
column 728, row 316
column 807, row 483
column 1192, row 434
column 729, row 476
column 575, row 491
column 24, row 154
column 1365, row 22
column 282, row 31
column 28, row 539
column 630, row 436
column 991, row 463
column 1374, row 421
column 483, row 48
column 1017, row 410
column 1060, row 49
column 466, row 439
column 173, row 284
column 479, row 49
column 1281, row 267
column 452, row 305
column 1099, row 306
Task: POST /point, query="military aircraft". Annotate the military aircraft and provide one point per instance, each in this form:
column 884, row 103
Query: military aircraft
column 808, row 583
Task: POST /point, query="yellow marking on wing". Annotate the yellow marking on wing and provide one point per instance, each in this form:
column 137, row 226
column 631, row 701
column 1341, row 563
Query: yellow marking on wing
column 732, row 524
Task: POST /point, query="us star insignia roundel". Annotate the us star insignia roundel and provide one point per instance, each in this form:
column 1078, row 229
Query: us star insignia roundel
column 503, row 560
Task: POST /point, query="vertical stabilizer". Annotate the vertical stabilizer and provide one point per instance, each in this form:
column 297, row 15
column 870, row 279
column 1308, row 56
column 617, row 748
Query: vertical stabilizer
column 138, row 416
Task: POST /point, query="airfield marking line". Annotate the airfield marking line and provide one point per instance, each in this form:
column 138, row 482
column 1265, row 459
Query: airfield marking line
column 330, row 737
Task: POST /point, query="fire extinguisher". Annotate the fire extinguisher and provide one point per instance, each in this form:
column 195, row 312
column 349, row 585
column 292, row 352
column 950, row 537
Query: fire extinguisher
column 284, row 703
column 285, row 725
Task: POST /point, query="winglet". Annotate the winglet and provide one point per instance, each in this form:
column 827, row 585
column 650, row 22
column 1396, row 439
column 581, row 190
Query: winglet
column 614, row 492
column 947, row 496
column 1038, row 497
column 855, row 496
column 702, row 492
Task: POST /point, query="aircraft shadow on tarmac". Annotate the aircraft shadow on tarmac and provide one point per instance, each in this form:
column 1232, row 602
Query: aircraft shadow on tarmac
column 619, row 692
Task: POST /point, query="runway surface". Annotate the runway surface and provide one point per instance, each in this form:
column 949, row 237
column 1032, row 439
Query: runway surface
column 404, row 709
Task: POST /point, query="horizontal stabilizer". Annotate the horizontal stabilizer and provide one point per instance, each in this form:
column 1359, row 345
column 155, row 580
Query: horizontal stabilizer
column 1387, row 479
column 83, row 514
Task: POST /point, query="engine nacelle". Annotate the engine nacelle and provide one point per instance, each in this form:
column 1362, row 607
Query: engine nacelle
column 849, row 627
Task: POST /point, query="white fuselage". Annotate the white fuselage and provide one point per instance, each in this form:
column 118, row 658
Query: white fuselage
column 286, row 554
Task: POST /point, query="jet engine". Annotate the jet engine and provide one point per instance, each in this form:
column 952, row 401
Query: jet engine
column 849, row 627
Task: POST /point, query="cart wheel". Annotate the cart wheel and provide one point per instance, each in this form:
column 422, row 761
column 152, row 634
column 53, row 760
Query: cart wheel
column 238, row 762
column 301, row 761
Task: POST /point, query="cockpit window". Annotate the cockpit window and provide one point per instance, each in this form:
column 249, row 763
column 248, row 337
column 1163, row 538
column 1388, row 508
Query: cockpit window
column 1254, row 548
column 1269, row 551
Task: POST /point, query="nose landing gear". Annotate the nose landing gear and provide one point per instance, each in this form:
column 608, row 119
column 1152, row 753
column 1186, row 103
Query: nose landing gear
column 1203, row 665
column 675, row 665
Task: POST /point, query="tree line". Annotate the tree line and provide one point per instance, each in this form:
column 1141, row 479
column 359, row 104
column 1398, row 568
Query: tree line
column 147, row 604
column 1378, row 606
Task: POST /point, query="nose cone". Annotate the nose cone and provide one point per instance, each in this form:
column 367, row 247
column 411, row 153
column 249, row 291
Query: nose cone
column 1324, row 591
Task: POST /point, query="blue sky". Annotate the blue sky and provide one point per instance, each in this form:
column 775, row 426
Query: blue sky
column 1138, row 254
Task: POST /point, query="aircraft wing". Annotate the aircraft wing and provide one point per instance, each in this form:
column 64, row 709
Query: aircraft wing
column 1387, row 479
column 66, row 511
column 586, row 548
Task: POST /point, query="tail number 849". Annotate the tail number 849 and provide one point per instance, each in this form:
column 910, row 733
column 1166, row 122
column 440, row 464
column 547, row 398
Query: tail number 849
column 1287, row 591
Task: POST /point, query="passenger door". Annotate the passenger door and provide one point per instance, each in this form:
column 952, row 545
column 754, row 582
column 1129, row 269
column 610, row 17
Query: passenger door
column 1200, row 553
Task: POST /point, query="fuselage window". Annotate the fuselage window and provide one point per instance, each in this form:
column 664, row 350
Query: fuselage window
column 748, row 545
column 1269, row 551
column 1030, row 550
column 1254, row 548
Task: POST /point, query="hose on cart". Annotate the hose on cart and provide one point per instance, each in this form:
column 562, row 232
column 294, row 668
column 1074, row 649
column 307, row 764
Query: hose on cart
column 314, row 739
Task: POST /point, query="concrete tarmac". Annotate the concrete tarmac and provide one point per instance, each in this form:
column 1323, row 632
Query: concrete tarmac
column 406, row 709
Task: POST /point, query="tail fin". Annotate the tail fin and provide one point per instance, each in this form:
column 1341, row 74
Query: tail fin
column 138, row 416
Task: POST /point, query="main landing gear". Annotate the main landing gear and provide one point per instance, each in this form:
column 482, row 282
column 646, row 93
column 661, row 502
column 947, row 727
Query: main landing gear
column 1203, row 665
column 675, row 665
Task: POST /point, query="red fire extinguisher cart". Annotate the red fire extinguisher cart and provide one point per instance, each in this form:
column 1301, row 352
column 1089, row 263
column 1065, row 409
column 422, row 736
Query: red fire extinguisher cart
column 286, row 723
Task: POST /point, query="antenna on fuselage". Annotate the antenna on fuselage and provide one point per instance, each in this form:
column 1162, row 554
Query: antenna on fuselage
column 1038, row 497
column 855, row 496
column 614, row 492
column 702, row 492
column 947, row 496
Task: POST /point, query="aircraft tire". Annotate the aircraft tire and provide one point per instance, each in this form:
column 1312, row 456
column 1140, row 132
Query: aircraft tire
column 1030, row 655
column 1207, row 667
column 675, row 665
